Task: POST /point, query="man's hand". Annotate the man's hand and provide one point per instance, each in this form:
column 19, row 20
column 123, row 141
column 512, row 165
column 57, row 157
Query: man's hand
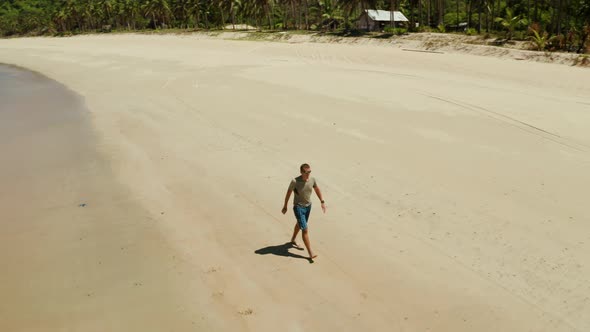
column 319, row 193
column 284, row 210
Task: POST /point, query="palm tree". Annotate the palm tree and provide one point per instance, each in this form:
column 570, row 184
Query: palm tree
column 73, row 14
column 90, row 14
column 220, row 5
column 158, row 10
column 61, row 18
column 194, row 10
column 441, row 12
column 249, row 10
column 566, row 17
column 331, row 14
column 107, row 10
column 181, row 9
column 206, row 10
column 129, row 11
column 511, row 22
column 347, row 7
column 234, row 5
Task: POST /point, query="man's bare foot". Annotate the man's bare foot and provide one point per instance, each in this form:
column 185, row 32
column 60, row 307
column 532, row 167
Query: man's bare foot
column 313, row 256
column 296, row 246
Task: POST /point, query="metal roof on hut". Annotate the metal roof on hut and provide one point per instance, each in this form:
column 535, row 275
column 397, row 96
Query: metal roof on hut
column 385, row 15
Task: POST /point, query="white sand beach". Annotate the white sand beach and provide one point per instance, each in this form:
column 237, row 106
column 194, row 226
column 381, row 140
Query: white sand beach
column 456, row 188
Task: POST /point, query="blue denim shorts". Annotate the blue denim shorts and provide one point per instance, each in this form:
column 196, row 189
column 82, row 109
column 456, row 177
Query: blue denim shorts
column 302, row 215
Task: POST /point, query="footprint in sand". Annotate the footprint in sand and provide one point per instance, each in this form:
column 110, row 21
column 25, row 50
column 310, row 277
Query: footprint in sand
column 246, row 312
column 213, row 269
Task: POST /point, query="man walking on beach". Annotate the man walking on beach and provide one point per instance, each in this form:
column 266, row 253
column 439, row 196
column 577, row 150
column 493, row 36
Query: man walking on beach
column 302, row 186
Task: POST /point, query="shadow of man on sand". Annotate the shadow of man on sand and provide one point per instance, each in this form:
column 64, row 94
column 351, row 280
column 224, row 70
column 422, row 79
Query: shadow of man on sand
column 282, row 250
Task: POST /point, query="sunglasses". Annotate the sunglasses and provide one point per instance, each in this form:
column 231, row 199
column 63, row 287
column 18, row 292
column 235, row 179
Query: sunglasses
column 306, row 172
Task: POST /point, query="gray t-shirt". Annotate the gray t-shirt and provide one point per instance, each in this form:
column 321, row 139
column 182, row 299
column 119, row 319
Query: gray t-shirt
column 302, row 190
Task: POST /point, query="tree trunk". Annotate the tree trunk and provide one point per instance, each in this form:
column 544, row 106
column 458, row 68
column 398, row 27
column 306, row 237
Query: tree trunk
column 222, row 17
column 299, row 16
column 306, row 15
column 346, row 18
column 392, row 14
column 269, row 14
column 457, row 20
column 559, row 11
column 479, row 16
column 498, row 8
column 470, row 12
column 428, row 12
column 553, row 20
column 487, row 18
column 441, row 12
column 233, row 15
column 295, row 12
column 420, row 14
column 366, row 15
column 412, row 18
column 285, row 17
column 491, row 23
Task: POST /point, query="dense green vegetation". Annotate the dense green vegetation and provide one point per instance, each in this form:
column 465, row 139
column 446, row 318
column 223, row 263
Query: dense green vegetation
column 550, row 24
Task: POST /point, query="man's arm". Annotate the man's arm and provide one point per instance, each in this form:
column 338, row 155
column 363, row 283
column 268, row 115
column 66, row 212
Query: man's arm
column 318, row 192
column 289, row 191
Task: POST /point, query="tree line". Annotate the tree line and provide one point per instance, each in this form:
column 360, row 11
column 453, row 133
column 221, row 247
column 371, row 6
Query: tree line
column 551, row 24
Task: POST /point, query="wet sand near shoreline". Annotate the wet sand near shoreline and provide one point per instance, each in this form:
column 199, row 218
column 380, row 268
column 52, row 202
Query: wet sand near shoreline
column 76, row 251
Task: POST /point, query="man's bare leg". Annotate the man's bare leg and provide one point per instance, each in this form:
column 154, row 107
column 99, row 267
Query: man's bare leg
column 307, row 245
column 295, row 232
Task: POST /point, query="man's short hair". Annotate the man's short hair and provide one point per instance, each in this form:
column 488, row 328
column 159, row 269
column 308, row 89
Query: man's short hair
column 303, row 166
